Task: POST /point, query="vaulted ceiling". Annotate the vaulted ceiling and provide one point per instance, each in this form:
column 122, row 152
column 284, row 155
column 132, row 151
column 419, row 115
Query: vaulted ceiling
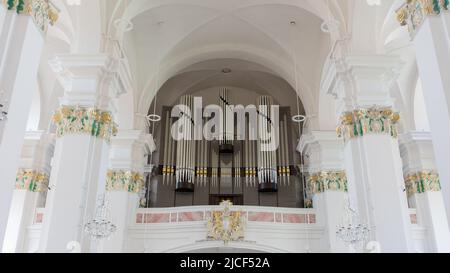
column 196, row 39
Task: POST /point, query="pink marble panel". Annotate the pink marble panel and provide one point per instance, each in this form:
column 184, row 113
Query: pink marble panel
column 413, row 219
column 139, row 218
column 191, row 216
column 267, row 217
column 157, row 218
column 294, row 218
column 39, row 218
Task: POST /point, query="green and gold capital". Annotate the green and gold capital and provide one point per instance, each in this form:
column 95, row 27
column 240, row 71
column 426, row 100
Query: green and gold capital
column 361, row 122
column 79, row 120
column 414, row 12
column 43, row 12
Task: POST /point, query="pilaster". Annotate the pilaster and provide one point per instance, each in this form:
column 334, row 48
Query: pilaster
column 84, row 127
column 125, row 181
column 21, row 46
column 31, row 186
column 423, row 188
column 429, row 26
column 326, row 182
column 368, row 124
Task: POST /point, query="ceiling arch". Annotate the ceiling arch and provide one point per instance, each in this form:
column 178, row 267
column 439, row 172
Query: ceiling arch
column 242, row 75
column 318, row 8
column 262, row 62
column 202, row 33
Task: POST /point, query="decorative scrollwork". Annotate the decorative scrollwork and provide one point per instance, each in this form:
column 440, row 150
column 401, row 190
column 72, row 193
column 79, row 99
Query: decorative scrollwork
column 414, row 12
column 31, row 180
column 368, row 121
column 92, row 121
column 42, row 11
column 327, row 181
column 226, row 225
column 421, row 182
column 124, row 181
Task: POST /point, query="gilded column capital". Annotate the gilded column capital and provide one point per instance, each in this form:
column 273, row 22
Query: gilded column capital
column 414, row 12
column 43, row 12
column 80, row 120
column 361, row 122
column 124, row 180
column 422, row 182
column 32, row 180
column 327, row 181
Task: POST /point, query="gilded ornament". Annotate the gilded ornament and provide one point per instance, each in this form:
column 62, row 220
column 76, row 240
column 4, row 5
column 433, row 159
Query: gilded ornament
column 226, row 225
column 120, row 180
column 414, row 12
column 422, row 182
column 327, row 181
column 361, row 122
column 78, row 120
column 43, row 12
column 31, row 180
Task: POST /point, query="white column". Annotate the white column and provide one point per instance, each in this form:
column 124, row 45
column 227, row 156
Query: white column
column 424, row 190
column 125, row 180
column 431, row 39
column 84, row 126
column 20, row 53
column 31, row 187
column 327, row 182
column 372, row 157
column 5, row 21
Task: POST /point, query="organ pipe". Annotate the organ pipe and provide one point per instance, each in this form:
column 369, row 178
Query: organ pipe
column 185, row 171
column 267, row 167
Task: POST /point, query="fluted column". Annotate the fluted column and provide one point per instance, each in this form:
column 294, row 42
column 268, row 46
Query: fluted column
column 326, row 182
column 84, row 126
column 31, row 185
column 368, row 125
column 21, row 43
column 424, row 189
column 429, row 25
column 125, row 180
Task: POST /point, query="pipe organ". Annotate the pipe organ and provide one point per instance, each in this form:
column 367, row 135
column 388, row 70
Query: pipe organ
column 231, row 163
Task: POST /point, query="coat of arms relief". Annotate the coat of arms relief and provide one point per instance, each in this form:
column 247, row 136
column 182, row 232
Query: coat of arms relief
column 226, row 225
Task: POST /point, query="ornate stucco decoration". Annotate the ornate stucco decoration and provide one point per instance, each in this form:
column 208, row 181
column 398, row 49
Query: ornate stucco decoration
column 78, row 120
column 129, row 181
column 226, row 225
column 362, row 122
column 421, row 182
column 414, row 12
column 327, row 181
column 31, row 180
column 43, row 12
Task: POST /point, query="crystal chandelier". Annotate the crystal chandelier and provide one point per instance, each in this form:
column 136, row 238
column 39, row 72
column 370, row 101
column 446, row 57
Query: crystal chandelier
column 352, row 231
column 101, row 227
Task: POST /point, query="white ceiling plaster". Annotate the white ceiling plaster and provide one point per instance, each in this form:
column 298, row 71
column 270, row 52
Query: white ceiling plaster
column 253, row 37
